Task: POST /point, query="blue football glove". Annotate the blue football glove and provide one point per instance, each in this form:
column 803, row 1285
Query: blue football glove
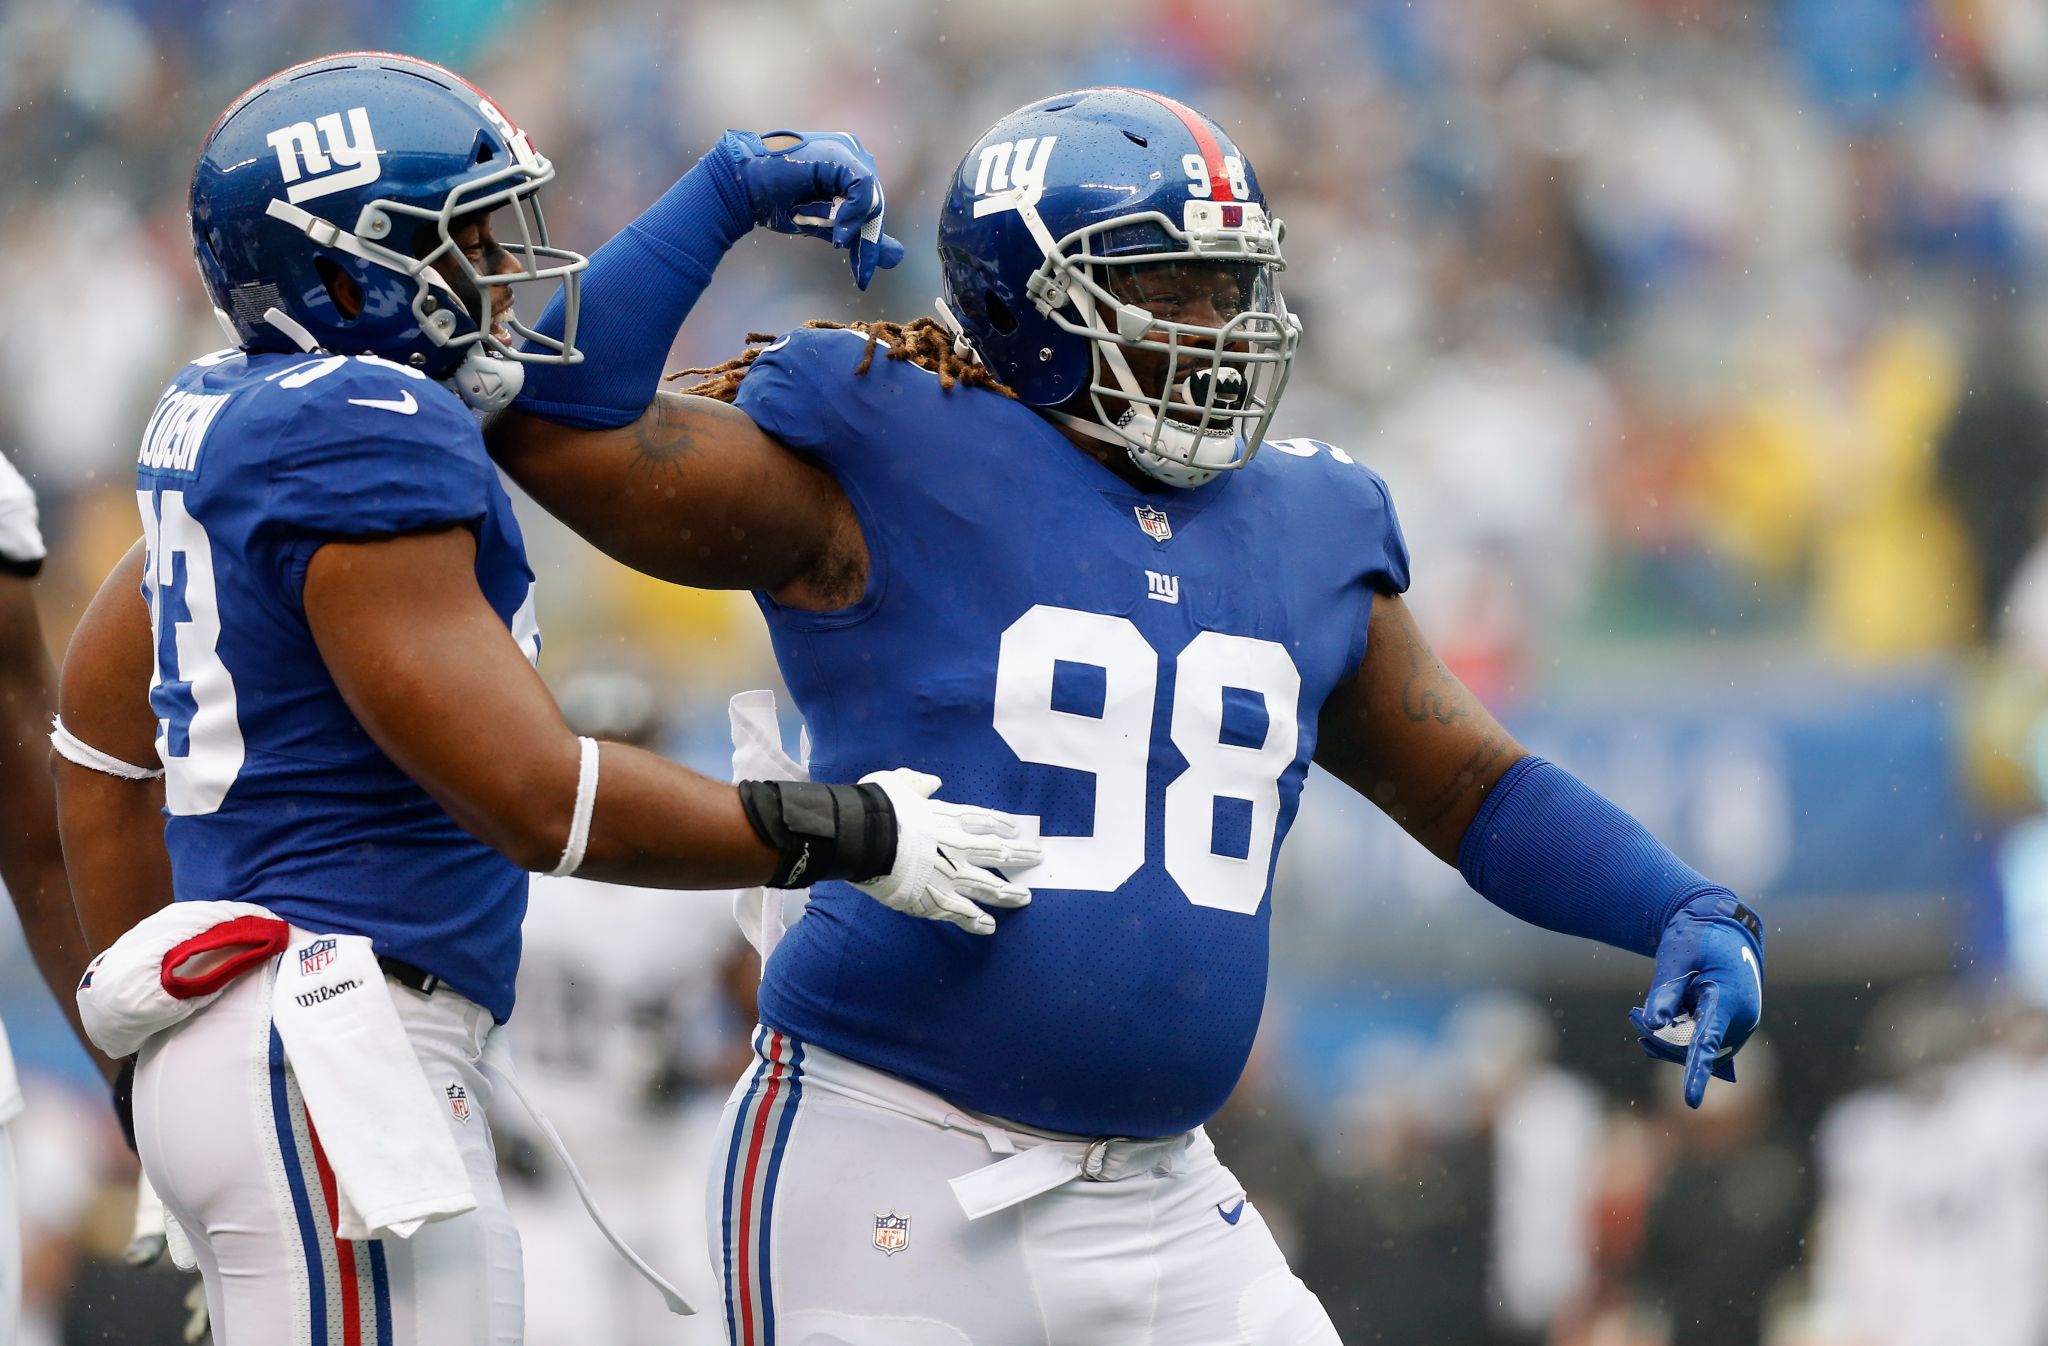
column 1707, row 992
column 823, row 185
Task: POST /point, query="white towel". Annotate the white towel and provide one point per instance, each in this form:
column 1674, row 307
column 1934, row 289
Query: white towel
column 394, row 1161
column 123, row 998
column 757, row 755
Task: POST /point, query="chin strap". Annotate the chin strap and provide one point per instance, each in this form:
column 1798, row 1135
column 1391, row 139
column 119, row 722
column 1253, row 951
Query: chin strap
column 1166, row 471
column 487, row 382
column 291, row 327
column 327, row 234
column 1086, row 425
column 962, row 346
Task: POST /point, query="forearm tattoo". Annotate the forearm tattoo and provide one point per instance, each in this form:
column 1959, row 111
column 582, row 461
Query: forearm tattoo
column 1464, row 786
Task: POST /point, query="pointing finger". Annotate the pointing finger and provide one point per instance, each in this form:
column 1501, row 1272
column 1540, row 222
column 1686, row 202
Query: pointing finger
column 1706, row 1045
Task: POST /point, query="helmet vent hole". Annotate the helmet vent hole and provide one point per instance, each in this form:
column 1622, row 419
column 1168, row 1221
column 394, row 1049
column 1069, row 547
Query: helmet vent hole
column 484, row 152
column 999, row 315
column 1136, row 139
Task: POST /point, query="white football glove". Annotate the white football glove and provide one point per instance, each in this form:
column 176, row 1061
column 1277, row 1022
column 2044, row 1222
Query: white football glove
column 941, row 849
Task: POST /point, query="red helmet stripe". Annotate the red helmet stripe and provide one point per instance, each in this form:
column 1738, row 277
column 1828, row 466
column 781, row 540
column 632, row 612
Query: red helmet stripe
column 1205, row 141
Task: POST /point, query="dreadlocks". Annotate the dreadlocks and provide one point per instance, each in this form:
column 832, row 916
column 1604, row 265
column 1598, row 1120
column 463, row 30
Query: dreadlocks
column 924, row 342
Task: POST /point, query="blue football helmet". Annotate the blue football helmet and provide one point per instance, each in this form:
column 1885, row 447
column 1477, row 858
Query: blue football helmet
column 362, row 165
column 1052, row 217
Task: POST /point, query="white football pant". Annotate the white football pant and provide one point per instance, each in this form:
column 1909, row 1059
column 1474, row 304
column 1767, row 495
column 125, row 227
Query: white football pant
column 833, row 1224
column 226, row 1141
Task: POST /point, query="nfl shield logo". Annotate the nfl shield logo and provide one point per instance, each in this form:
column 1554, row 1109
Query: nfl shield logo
column 458, row 1103
column 316, row 956
column 892, row 1232
column 1154, row 522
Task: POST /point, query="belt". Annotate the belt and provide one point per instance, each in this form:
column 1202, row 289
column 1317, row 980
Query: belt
column 405, row 974
column 1027, row 1173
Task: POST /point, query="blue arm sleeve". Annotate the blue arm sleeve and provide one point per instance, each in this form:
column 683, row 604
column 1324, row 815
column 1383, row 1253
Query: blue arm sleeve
column 1547, row 848
column 636, row 293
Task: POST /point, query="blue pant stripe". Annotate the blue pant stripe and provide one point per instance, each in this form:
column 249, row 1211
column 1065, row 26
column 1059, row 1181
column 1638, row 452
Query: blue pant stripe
column 302, row 1207
column 380, row 1289
column 794, row 1084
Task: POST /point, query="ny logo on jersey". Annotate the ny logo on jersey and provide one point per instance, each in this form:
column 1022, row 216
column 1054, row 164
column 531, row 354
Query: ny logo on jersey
column 348, row 159
column 1164, row 588
column 1011, row 173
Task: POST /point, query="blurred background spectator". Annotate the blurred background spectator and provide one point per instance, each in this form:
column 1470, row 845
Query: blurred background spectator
column 1705, row 348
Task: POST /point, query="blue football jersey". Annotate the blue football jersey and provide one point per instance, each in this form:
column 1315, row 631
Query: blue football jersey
column 274, row 793
column 1141, row 670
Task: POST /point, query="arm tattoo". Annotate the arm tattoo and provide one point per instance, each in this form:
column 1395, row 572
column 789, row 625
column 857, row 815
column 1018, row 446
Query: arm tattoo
column 662, row 440
column 1462, row 785
column 1430, row 692
column 1431, row 695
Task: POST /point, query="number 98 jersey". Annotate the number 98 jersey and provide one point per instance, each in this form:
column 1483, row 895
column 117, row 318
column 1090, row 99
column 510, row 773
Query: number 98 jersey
column 1141, row 670
column 274, row 793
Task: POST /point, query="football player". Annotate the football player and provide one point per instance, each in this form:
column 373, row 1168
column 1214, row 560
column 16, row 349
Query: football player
column 1040, row 548
column 327, row 684
column 31, row 862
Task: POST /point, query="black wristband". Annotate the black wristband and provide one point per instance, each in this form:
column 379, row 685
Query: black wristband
column 124, row 1099
column 822, row 831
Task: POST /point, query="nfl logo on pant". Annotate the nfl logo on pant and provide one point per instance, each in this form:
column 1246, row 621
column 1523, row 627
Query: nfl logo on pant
column 892, row 1232
column 316, row 956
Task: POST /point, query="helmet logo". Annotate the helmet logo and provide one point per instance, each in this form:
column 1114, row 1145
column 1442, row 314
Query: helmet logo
column 1011, row 173
column 348, row 159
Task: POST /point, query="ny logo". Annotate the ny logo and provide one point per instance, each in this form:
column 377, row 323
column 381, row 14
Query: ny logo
column 1162, row 588
column 349, row 158
column 1014, row 171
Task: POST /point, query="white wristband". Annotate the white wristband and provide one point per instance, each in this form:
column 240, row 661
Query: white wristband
column 77, row 751
column 586, row 802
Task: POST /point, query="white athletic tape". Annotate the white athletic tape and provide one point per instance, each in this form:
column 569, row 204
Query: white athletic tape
column 78, row 752
column 586, row 804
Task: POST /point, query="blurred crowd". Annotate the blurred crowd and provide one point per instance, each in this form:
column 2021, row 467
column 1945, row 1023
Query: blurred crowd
column 1735, row 310
column 1468, row 1188
column 1673, row 324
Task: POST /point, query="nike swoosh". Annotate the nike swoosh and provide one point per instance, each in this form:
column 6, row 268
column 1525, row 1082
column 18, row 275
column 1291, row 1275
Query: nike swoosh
column 1230, row 1216
column 1756, row 972
column 404, row 406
